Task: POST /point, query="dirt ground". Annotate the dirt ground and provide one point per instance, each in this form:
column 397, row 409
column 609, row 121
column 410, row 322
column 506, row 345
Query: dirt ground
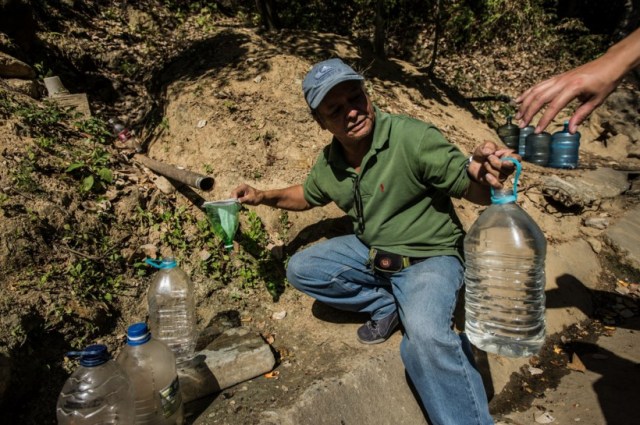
column 232, row 107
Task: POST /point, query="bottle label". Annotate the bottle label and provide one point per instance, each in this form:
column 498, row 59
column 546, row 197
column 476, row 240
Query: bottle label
column 171, row 398
column 124, row 135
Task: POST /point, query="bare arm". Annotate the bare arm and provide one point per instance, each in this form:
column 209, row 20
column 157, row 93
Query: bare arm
column 290, row 198
column 590, row 83
column 487, row 169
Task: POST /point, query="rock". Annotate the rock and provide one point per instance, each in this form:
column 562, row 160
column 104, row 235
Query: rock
column 77, row 101
column 596, row 245
column 164, row 185
column 587, row 189
column 596, row 222
column 28, row 87
column 149, row 250
column 236, row 356
column 11, row 67
column 624, row 238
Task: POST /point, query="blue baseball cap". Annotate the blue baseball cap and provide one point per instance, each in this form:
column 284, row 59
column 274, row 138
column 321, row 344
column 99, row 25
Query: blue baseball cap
column 323, row 77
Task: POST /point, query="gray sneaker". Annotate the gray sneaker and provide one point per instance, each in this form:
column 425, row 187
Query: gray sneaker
column 377, row 331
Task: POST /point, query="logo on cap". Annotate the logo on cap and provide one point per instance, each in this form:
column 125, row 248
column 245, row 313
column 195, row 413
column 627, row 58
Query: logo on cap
column 322, row 71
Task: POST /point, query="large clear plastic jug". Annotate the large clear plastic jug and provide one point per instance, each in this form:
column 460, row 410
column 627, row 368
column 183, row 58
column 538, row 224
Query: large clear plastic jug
column 505, row 254
column 97, row 392
column 172, row 311
column 151, row 366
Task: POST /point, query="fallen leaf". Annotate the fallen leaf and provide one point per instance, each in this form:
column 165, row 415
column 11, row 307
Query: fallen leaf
column 269, row 338
column 557, row 349
column 544, row 418
column 576, row 364
column 272, row 375
column 535, row 371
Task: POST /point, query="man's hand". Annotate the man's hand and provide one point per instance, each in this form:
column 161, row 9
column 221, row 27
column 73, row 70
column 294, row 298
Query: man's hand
column 589, row 83
column 248, row 195
column 290, row 198
column 487, row 166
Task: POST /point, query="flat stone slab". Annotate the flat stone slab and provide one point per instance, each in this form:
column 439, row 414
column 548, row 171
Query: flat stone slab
column 375, row 391
column 77, row 101
column 235, row 356
column 624, row 238
column 586, row 189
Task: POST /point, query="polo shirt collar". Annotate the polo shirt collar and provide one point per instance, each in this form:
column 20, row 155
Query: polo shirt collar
column 382, row 128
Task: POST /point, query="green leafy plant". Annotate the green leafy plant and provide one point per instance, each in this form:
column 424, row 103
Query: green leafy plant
column 24, row 176
column 42, row 71
column 93, row 171
column 89, row 280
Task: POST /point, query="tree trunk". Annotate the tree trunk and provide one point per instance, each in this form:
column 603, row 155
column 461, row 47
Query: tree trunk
column 268, row 14
column 379, row 37
column 436, row 41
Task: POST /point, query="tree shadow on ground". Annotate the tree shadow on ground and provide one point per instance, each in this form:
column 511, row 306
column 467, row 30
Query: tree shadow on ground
column 315, row 47
column 618, row 383
column 225, row 56
column 594, row 303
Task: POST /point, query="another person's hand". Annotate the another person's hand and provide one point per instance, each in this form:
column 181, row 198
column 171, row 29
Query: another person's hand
column 487, row 166
column 590, row 83
column 247, row 195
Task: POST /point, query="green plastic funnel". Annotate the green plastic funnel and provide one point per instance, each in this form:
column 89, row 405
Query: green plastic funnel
column 223, row 216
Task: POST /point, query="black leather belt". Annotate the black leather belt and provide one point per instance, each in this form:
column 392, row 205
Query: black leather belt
column 389, row 263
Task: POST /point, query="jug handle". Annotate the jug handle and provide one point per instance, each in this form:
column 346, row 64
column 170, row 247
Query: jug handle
column 506, row 199
column 167, row 263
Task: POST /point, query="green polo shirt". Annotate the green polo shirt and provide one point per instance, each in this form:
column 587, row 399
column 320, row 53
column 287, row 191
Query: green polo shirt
column 406, row 182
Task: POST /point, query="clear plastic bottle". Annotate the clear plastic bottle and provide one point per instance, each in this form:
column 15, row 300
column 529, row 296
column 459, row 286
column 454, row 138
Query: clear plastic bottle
column 97, row 392
column 151, row 366
column 119, row 130
column 172, row 316
column 505, row 254
column 126, row 137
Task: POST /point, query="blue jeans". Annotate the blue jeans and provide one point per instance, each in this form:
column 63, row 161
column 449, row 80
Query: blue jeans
column 438, row 361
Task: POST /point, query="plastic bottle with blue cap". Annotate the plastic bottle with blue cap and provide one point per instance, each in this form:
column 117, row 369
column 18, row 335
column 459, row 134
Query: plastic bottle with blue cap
column 563, row 152
column 505, row 254
column 97, row 392
column 172, row 311
column 509, row 133
column 151, row 367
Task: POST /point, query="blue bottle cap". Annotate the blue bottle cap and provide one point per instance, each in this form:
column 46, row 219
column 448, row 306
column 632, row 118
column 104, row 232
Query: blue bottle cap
column 91, row 356
column 138, row 334
column 505, row 197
